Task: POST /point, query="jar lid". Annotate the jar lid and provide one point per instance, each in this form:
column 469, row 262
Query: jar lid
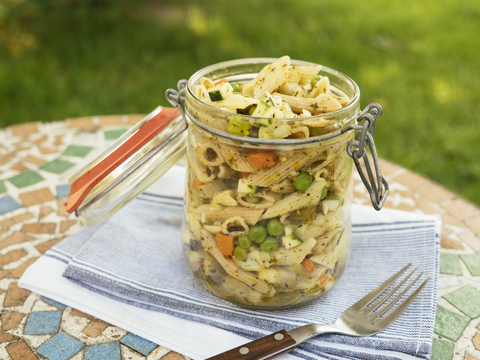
column 128, row 166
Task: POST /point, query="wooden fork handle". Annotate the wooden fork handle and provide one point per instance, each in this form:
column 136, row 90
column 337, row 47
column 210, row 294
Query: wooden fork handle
column 268, row 347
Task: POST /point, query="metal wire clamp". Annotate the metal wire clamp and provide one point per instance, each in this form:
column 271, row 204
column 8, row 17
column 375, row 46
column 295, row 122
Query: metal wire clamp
column 376, row 185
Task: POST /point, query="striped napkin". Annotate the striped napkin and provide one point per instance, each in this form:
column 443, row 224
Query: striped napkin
column 130, row 271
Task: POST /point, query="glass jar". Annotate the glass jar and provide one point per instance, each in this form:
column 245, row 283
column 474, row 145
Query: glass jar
column 267, row 222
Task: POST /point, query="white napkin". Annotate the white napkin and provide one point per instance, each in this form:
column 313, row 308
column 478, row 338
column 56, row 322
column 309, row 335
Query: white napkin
column 133, row 268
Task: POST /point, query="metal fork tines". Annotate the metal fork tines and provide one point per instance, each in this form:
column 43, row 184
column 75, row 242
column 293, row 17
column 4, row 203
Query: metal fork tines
column 368, row 314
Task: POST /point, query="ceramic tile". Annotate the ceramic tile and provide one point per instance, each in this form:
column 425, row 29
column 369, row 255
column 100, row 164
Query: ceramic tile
column 76, row 312
column 476, row 341
column 110, row 120
column 4, row 273
column 80, row 123
column 62, row 191
column 54, row 303
column 61, row 347
column 173, row 356
column 12, row 256
column 449, row 264
column 43, row 323
column 57, row 166
column 446, row 243
column 16, row 296
column 5, row 338
column 46, row 150
column 34, row 160
column 410, row 180
column 7, row 204
column 442, row 350
column 474, row 224
column 18, row 272
column 114, row 134
column 16, row 237
column 39, row 228
column 26, row 178
column 44, row 246
column 139, row 344
column 435, row 193
column 44, row 211
column 449, row 324
column 36, row 197
column 95, row 328
column 109, row 351
column 77, row 150
column 467, row 300
column 24, row 129
column 20, row 351
column 462, row 209
column 19, row 167
column 3, row 189
column 9, row 222
column 471, row 240
column 11, row 319
column 472, row 262
column 469, row 356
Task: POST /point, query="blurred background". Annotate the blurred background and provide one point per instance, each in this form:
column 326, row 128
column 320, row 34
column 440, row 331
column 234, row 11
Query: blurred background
column 419, row 59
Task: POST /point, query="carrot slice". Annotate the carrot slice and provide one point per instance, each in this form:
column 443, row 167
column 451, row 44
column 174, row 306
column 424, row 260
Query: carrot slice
column 197, row 183
column 245, row 174
column 221, row 81
column 261, row 160
column 226, row 245
column 324, row 279
column 308, row 264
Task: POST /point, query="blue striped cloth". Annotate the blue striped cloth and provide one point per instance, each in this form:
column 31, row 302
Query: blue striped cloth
column 136, row 257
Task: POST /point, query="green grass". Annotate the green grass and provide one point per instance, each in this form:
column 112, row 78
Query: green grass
column 420, row 60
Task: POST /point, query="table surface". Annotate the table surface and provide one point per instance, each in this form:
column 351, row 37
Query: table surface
column 36, row 160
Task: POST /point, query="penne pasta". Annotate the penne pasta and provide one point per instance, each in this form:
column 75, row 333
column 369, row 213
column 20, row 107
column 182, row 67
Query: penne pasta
column 269, row 79
column 318, row 105
column 230, row 267
column 297, row 200
column 251, row 216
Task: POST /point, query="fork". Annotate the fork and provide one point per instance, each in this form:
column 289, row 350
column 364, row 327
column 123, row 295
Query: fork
column 365, row 317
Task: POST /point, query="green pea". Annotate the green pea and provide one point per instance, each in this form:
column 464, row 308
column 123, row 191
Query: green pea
column 316, row 131
column 240, row 253
column 244, row 241
column 302, row 181
column 333, row 196
column 239, row 127
column 275, row 227
column 253, row 199
column 235, row 87
column 257, row 233
column 263, row 222
column 269, row 244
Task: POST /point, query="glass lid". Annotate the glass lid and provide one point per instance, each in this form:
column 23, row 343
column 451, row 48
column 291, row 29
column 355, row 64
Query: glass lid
column 128, row 166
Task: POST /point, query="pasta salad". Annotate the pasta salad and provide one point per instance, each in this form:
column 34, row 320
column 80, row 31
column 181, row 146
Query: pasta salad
column 268, row 226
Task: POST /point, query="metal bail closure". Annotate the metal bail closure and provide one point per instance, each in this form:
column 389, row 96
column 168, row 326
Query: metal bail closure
column 177, row 98
column 376, row 185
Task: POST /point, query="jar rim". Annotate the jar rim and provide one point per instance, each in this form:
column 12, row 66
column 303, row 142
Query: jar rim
column 193, row 80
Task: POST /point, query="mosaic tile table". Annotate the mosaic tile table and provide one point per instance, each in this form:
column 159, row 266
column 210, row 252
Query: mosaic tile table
column 35, row 162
